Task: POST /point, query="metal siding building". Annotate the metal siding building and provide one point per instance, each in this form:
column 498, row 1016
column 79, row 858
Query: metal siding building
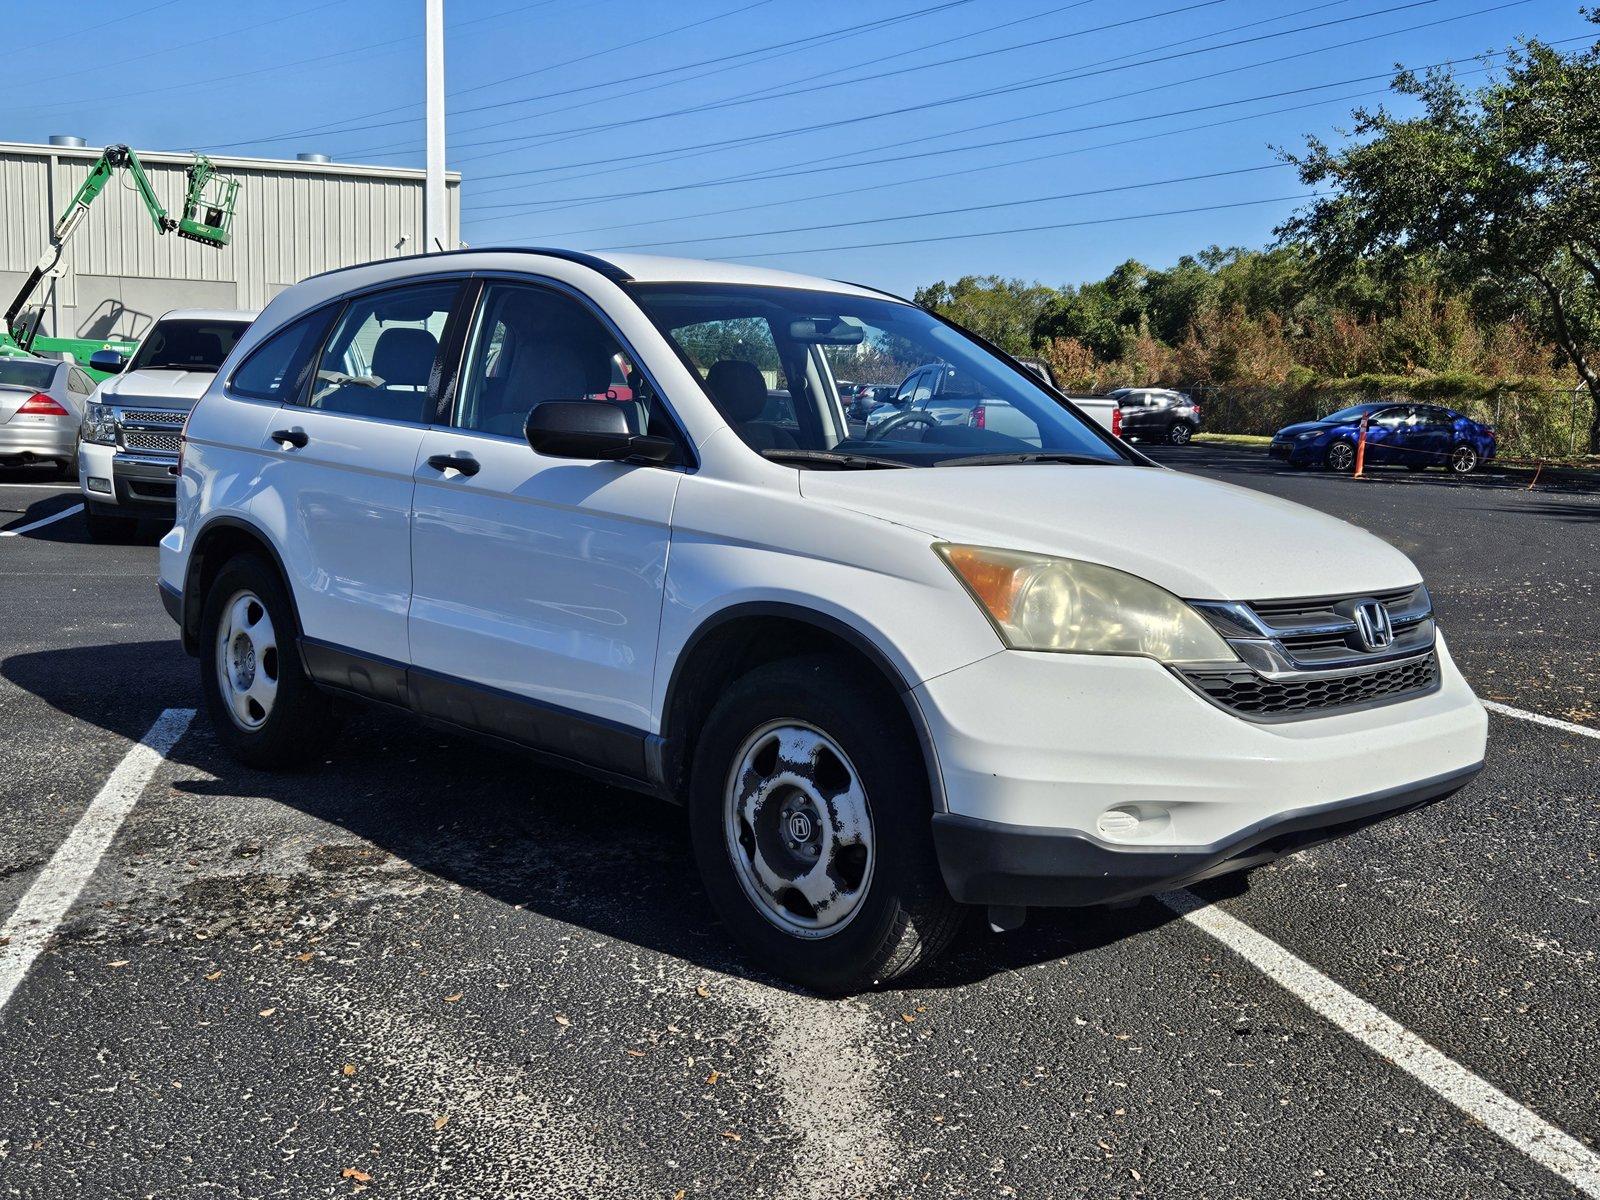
column 118, row 274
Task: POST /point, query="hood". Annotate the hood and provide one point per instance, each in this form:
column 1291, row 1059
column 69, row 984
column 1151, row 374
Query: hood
column 1200, row 539
column 159, row 389
column 1288, row 431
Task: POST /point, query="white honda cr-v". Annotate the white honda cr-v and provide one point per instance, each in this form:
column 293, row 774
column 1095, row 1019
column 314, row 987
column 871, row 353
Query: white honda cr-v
column 613, row 511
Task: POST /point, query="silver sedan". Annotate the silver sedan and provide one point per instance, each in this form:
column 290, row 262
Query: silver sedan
column 41, row 407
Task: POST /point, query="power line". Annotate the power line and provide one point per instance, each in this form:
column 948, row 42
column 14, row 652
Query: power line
column 831, row 163
column 951, row 212
column 1116, row 63
column 789, row 46
column 337, row 128
column 1024, row 85
column 944, row 175
column 983, row 233
column 78, row 32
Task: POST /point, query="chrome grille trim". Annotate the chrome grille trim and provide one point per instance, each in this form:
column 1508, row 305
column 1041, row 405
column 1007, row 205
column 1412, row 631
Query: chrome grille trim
column 1302, row 658
column 166, row 418
column 136, row 440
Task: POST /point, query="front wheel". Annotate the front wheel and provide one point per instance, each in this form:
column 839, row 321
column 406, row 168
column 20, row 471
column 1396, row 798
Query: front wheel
column 812, row 828
column 1464, row 460
column 1341, row 458
column 265, row 709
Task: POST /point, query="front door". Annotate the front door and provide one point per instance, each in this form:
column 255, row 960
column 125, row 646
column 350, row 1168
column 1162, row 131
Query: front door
column 537, row 582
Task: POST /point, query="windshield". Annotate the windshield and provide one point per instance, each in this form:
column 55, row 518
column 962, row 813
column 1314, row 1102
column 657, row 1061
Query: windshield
column 1353, row 414
column 24, row 373
column 185, row 345
column 770, row 358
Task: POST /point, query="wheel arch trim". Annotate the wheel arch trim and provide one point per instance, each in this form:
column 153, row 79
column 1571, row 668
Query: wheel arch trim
column 664, row 746
column 193, row 602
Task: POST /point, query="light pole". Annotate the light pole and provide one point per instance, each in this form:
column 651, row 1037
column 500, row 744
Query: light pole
column 435, row 203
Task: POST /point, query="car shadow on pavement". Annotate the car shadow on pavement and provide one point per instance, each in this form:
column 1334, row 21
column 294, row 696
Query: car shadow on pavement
column 500, row 823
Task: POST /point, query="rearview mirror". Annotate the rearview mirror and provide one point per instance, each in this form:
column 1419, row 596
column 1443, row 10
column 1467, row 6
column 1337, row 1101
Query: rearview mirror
column 590, row 429
column 109, row 361
column 826, row 331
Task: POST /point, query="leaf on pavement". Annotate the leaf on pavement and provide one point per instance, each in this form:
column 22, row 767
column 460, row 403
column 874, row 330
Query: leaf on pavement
column 355, row 1173
column 454, row 998
column 349, row 1069
column 440, row 1122
column 266, row 1012
column 121, row 962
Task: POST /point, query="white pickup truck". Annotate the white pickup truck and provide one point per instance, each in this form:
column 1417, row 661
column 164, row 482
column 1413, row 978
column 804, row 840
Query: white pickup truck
column 128, row 447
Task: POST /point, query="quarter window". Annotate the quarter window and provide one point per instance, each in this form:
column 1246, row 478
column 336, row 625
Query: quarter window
column 381, row 359
column 277, row 369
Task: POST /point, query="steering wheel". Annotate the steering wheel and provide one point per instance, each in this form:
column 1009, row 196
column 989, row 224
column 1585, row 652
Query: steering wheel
column 915, row 417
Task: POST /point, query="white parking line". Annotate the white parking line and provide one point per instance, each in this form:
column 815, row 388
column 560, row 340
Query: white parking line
column 1516, row 1125
column 1522, row 714
column 31, row 926
column 66, row 512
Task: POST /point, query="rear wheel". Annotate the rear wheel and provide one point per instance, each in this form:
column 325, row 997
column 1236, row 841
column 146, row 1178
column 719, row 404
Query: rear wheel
column 1179, row 434
column 265, row 709
column 1341, row 458
column 812, row 828
column 1464, row 460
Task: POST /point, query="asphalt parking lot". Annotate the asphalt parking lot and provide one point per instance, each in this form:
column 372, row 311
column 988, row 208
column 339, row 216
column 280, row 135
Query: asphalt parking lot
column 432, row 969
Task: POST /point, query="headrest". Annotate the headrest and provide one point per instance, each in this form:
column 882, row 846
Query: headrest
column 738, row 389
column 404, row 356
column 543, row 369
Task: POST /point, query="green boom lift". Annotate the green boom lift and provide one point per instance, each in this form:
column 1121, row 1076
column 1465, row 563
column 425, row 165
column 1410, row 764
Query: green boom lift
column 207, row 218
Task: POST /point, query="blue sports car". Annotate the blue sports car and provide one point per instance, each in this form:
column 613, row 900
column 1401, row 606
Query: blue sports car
column 1414, row 436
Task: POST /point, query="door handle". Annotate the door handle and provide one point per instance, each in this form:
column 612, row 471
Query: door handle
column 290, row 437
column 464, row 463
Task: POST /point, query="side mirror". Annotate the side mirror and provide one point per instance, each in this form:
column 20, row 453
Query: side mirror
column 109, row 361
column 590, row 429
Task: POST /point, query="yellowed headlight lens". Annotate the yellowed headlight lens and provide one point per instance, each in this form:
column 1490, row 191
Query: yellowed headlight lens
column 1039, row 602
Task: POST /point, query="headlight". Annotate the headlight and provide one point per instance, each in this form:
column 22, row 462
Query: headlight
column 99, row 425
column 1307, row 435
column 1042, row 603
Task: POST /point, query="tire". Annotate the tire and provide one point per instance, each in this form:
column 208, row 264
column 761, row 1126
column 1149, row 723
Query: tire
column 1340, row 458
column 268, row 713
column 1464, row 459
column 66, row 468
column 104, row 527
column 1179, row 433
column 815, row 725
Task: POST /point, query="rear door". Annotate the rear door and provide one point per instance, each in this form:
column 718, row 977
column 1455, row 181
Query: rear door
column 336, row 487
column 537, row 581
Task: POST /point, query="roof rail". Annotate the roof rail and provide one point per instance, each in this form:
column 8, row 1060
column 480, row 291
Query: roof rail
column 609, row 269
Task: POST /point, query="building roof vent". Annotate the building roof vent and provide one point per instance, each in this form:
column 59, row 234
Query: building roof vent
column 312, row 156
column 67, row 139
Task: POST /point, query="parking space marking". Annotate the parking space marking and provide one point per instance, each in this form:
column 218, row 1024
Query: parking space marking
column 1483, row 1102
column 1522, row 714
column 32, row 525
column 46, row 902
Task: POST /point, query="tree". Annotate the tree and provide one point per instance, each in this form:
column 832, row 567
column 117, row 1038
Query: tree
column 1496, row 186
column 1004, row 311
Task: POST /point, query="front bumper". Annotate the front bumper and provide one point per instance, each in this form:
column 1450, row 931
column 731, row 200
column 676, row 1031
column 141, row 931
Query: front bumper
column 140, row 485
column 1086, row 768
column 988, row 863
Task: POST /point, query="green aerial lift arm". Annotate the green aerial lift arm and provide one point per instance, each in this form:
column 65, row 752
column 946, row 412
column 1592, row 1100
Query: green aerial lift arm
column 104, row 170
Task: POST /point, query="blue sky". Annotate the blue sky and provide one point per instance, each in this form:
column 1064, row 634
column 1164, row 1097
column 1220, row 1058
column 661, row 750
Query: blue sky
column 602, row 123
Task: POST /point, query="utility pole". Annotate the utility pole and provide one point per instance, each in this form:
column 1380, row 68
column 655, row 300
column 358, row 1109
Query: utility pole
column 435, row 204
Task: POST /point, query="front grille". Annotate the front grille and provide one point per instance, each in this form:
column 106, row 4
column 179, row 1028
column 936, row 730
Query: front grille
column 166, row 417
column 1286, row 613
column 1253, row 695
column 165, row 443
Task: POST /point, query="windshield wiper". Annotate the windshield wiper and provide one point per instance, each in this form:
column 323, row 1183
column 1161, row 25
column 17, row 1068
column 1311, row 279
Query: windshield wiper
column 828, row 458
column 1027, row 456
